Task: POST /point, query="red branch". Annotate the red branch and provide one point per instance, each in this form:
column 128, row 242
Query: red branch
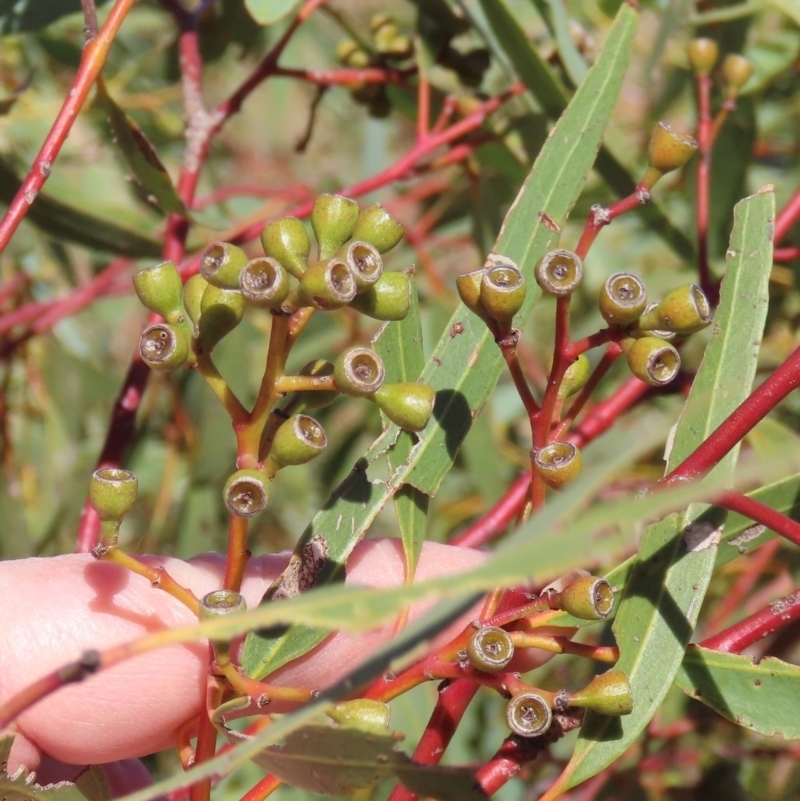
column 787, row 217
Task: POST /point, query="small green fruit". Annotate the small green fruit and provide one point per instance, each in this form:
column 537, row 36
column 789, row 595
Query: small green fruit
column 246, row 493
column 264, row 283
column 407, row 405
column 221, row 310
column 528, row 715
column 359, row 372
column 362, row 713
column 652, row 360
column 502, row 292
column 558, row 463
column 559, row 273
column 193, row 291
column 576, row 376
column 648, row 317
column 588, row 598
column 684, row 311
column 164, row 347
column 365, row 264
column 389, row 298
column 332, row 220
column 490, row 649
column 222, row 264
column 287, row 241
column 160, row 289
column 468, row 286
column 703, row 54
column 216, row 604
column 327, row 285
column 608, row 694
column 351, row 54
column 737, row 71
column 298, row 440
column 623, row 298
column 112, row 493
column 668, row 150
column 378, row 228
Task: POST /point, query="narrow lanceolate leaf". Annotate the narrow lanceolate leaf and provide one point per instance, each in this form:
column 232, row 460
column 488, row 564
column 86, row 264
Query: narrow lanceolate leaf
column 669, row 578
column 150, row 178
column 762, row 697
column 466, row 363
column 399, row 344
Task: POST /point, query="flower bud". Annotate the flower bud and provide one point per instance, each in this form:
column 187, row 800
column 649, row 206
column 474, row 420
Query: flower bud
column 588, row 598
column 559, row 273
column 193, row 291
column 298, row 440
column 221, row 310
column 468, row 286
column 287, row 241
column 608, row 694
column 502, row 292
column 378, row 228
column 351, row 54
column 112, row 492
column 222, row 264
column 576, row 376
column 389, row 298
column 264, row 283
column 737, row 71
column 652, row 360
column 316, row 399
column 558, row 463
column 668, row 150
column 703, row 55
column 365, row 264
column 490, row 649
column 164, row 347
column 327, row 285
column 623, row 298
column 407, row 405
column 159, row 289
column 358, row 371
column 332, row 220
column 246, row 493
column 685, row 310
column 362, row 713
column 216, row 604
column 528, row 715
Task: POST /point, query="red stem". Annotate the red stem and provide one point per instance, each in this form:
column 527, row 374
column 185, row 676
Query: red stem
column 760, row 513
column 787, row 217
column 704, row 141
column 786, row 254
column 600, row 217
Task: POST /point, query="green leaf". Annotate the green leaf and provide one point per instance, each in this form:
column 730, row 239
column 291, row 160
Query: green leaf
column 399, row 344
column 464, row 368
column 339, row 761
column 62, row 221
column 789, row 7
column 267, row 12
column 150, row 177
column 662, row 598
column 762, row 697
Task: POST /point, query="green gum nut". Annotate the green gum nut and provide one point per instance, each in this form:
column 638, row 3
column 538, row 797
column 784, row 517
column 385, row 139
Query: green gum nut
column 683, row 311
column 559, row 273
column 362, row 713
column 558, row 463
column 377, row 227
column 298, row 440
column 193, row 291
column 407, row 405
column 652, row 360
column 490, row 649
column 528, row 715
column 358, row 372
column 737, row 71
column 608, row 694
column 164, row 347
column 221, row 310
column 160, row 290
column 264, row 283
column 365, row 264
column 623, row 298
column 327, row 285
column 576, row 376
column 333, row 219
column 468, row 286
column 502, row 292
column 350, row 54
column 316, row 399
column 389, row 298
column 246, row 493
column 703, row 54
column 287, row 241
column 648, row 318
column 222, row 264
column 587, row 598
column 217, row 604
column 112, row 492
column 668, row 150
